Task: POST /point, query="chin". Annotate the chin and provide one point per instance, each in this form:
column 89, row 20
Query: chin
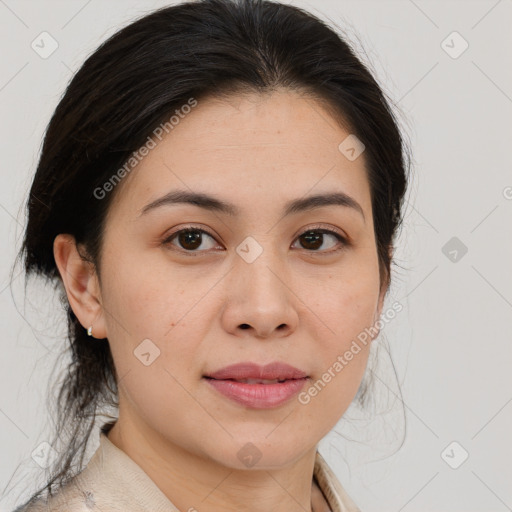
column 261, row 451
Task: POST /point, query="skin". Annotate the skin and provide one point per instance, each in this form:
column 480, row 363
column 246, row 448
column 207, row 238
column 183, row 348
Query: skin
column 257, row 152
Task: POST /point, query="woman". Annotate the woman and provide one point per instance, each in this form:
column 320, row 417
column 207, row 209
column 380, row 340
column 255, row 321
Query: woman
column 217, row 198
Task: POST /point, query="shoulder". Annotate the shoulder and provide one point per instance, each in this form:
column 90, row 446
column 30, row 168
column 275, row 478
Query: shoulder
column 75, row 495
column 101, row 485
column 61, row 502
column 85, row 492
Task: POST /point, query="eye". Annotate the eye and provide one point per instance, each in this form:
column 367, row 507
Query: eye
column 190, row 239
column 313, row 239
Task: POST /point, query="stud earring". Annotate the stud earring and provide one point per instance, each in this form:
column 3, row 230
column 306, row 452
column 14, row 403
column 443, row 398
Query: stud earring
column 89, row 331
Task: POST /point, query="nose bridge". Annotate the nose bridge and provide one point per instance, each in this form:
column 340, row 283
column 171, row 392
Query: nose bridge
column 257, row 296
column 257, row 265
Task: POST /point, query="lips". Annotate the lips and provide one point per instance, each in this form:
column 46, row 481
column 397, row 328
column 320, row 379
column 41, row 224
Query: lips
column 252, row 373
column 258, row 387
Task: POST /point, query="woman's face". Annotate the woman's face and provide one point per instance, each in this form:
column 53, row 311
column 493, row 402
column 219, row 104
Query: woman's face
column 247, row 285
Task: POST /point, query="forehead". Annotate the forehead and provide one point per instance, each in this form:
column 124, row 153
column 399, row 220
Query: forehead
column 253, row 148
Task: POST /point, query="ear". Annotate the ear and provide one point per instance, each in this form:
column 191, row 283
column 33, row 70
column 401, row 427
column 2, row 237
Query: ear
column 81, row 283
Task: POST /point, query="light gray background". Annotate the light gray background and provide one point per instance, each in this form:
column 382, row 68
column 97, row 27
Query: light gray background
column 451, row 344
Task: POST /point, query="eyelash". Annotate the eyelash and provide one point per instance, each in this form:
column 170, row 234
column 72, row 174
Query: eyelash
column 316, row 229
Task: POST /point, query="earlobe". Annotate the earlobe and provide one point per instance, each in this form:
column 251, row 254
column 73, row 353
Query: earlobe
column 81, row 284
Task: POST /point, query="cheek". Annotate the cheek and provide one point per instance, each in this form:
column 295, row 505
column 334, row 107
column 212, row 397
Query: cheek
column 143, row 299
column 342, row 357
column 346, row 304
column 147, row 321
column 150, row 314
column 347, row 308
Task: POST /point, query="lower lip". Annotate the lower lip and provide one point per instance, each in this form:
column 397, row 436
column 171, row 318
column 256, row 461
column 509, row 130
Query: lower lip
column 258, row 396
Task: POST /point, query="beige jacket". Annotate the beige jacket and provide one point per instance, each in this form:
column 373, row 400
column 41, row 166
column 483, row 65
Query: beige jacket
column 113, row 482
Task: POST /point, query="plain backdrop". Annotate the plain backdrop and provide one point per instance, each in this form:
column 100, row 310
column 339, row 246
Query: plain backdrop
column 446, row 65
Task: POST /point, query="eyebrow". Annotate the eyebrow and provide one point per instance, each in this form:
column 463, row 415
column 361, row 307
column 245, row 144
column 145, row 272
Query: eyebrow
column 291, row 207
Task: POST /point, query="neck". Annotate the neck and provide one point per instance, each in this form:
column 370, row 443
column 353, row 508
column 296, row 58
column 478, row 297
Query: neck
column 192, row 482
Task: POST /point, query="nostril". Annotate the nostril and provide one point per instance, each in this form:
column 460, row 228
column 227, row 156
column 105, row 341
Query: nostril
column 244, row 326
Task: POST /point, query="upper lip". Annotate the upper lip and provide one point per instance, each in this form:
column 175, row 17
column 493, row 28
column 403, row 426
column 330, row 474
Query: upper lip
column 248, row 370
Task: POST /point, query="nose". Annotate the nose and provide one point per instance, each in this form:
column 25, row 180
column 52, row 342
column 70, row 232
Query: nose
column 259, row 302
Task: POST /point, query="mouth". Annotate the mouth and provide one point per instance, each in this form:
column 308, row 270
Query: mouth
column 256, row 386
column 257, row 393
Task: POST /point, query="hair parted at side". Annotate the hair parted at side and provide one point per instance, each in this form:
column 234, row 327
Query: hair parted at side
column 132, row 83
